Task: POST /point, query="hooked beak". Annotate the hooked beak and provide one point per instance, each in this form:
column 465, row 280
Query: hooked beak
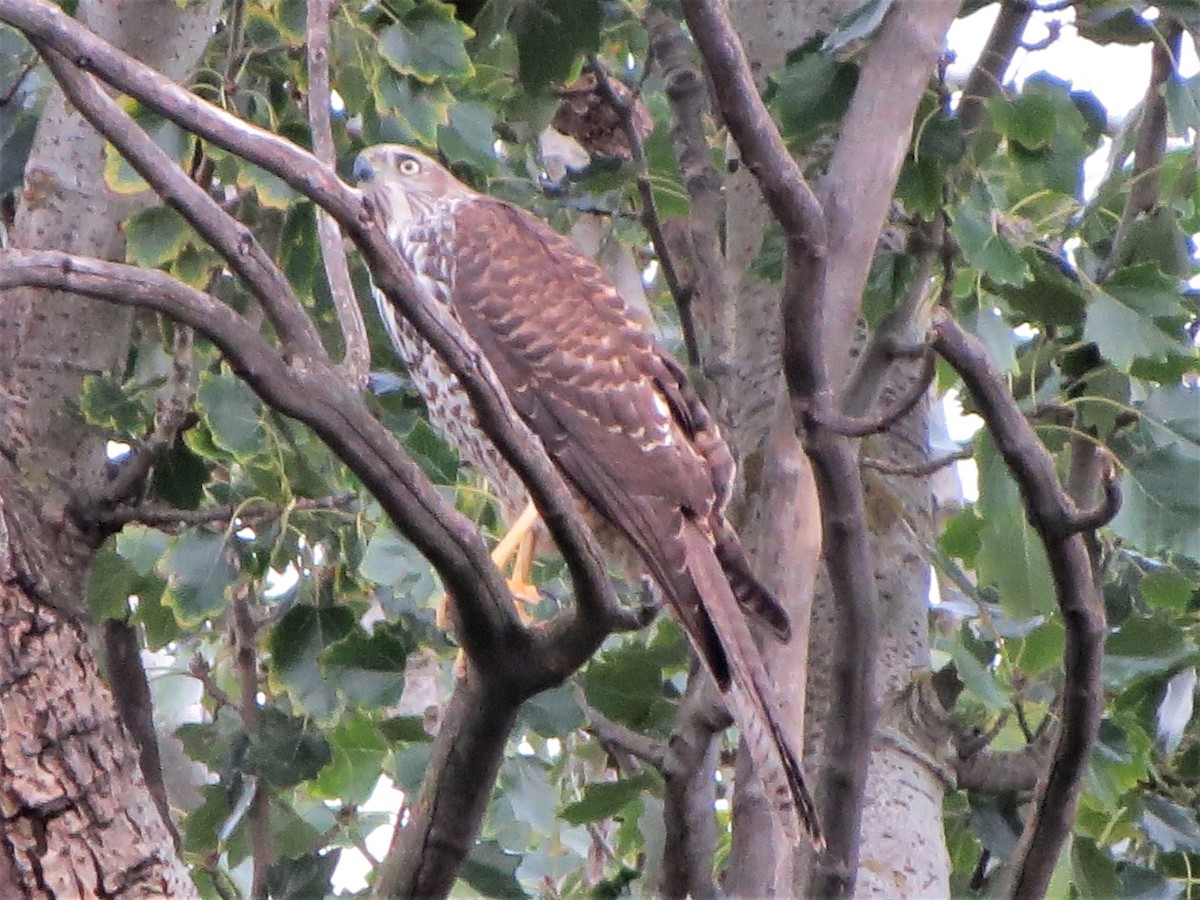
column 363, row 170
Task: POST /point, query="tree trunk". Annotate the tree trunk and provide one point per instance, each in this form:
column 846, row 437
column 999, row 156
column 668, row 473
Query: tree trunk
column 79, row 819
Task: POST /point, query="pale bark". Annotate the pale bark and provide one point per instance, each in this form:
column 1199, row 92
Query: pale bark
column 79, row 819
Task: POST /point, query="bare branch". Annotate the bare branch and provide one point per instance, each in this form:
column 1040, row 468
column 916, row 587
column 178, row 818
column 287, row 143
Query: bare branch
column 357, row 356
column 252, row 512
column 688, row 769
column 245, row 661
column 987, row 77
column 1052, row 515
column 921, row 471
column 796, row 208
column 610, row 733
column 861, row 426
column 1145, row 179
column 688, row 97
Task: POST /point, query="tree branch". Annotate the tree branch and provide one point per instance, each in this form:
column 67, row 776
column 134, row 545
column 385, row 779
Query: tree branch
column 1052, row 514
column 987, row 77
column 1146, row 177
column 357, row 356
column 252, row 512
column 562, row 645
column 861, row 426
column 245, row 643
column 796, row 208
column 651, row 221
column 920, row 471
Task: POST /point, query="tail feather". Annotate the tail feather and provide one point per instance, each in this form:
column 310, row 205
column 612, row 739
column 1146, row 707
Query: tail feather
column 754, row 599
column 748, row 692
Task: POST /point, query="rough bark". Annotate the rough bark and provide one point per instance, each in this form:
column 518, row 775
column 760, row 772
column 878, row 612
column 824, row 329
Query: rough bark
column 79, row 819
column 76, row 818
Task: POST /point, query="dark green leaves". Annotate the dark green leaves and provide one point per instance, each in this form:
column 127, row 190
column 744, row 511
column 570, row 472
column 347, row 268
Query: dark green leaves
column 551, row 37
column 427, row 43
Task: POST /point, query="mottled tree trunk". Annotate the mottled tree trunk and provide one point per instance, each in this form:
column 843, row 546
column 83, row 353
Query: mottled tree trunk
column 78, row 818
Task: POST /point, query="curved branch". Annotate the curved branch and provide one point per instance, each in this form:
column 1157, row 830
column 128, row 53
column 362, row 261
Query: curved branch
column 596, row 607
column 792, row 202
column 861, row 426
column 1052, row 515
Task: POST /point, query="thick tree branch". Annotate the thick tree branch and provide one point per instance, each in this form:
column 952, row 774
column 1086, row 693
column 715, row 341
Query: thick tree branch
column 1053, row 515
column 1151, row 145
column 688, row 770
column 316, row 395
column 796, row 208
column 857, row 189
column 688, row 96
column 987, row 77
column 566, row 642
column 357, row 356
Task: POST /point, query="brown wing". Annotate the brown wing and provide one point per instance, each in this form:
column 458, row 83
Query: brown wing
column 620, row 419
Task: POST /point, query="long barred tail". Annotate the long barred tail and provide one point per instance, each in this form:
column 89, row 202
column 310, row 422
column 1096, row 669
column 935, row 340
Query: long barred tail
column 747, row 689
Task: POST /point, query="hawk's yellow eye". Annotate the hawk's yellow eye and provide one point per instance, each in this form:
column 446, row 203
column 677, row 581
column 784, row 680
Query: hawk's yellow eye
column 408, row 166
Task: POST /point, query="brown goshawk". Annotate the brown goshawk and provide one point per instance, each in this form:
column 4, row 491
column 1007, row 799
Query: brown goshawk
column 614, row 411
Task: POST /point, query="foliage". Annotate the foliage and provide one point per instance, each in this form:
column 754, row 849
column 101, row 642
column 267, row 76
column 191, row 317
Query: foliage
column 1098, row 349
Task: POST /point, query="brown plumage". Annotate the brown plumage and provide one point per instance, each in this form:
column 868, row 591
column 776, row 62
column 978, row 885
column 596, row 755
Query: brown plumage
column 615, row 412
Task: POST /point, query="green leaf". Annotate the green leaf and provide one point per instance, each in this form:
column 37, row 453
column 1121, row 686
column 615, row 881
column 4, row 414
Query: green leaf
column 975, row 229
column 1167, row 589
column 110, row 582
column 198, row 571
column 1041, row 650
column 358, row 751
column 296, row 645
column 233, row 414
column 810, row 94
column 392, row 561
column 1157, row 239
column 492, row 871
column 602, row 800
column 551, row 37
column 1171, row 827
column 554, row 713
column 1011, row 555
column 179, row 476
column 961, row 536
column 155, row 236
column 469, row 136
column 626, row 684
column 1144, row 647
column 105, row 402
column 1095, row 874
column 142, row 546
column 417, row 110
column 369, row 669
column 1136, row 313
column 979, row 680
column 428, row 43
column 304, row 878
column 1028, row 119
column 285, row 750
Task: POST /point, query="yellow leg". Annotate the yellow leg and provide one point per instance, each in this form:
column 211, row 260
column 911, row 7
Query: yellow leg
column 516, row 545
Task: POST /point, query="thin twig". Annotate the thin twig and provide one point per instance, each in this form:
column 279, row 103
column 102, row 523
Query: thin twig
column 643, row 748
column 918, row 471
column 245, row 646
column 357, row 356
column 251, row 512
column 7, row 96
column 651, row 221
column 861, row 426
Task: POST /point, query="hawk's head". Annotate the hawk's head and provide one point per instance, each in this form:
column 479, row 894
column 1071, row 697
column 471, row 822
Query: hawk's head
column 404, row 184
